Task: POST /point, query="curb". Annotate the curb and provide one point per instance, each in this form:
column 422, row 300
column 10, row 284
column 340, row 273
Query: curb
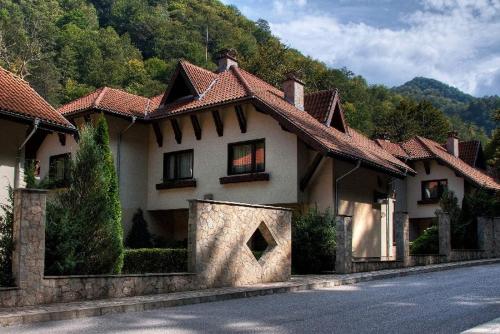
column 74, row 310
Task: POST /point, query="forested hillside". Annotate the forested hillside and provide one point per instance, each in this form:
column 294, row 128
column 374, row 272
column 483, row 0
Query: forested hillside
column 66, row 48
column 452, row 101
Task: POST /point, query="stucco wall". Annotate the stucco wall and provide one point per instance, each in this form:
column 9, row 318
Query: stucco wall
column 356, row 194
column 210, row 161
column 12, row 135
column 320, row 189
column 133, row 162
column 455, row 184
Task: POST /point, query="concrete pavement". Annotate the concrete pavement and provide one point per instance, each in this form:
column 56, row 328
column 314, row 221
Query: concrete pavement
column 440, row 302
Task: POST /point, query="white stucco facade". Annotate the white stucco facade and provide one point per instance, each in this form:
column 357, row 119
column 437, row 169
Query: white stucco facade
column 414, row 186
column 210, row 161
column 12, row 135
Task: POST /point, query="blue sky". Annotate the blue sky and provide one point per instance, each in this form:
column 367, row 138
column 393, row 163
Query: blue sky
column 389, row 41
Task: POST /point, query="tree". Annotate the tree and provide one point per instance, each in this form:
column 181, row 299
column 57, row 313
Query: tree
column 139, row 236
column 492, row 150
column 88, row 215
column 6, row 241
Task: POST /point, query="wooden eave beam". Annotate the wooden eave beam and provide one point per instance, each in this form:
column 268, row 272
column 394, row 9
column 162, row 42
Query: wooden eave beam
column 62, row 139
column 158, row 134
column 313, row 166
column 196, row 126
column 219, row 126
column 242, row 121
column 177, row 130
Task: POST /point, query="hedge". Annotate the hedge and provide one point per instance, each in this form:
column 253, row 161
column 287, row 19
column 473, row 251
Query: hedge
column 154, row 260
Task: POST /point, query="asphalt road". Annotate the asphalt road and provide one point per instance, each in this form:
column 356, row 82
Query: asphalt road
column 442, row 302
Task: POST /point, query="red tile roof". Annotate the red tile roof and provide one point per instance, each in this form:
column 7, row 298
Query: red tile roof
column 468, row 151
column 19, row 100
column 114, row 101
column 418, row 148
column 237, row 84
column 319, row 104
column 393, row 148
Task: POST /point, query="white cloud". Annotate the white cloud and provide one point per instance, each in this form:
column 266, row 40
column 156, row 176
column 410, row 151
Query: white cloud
column 456, row 41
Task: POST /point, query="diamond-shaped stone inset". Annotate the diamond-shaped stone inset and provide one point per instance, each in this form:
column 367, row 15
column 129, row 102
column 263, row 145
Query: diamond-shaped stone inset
column 261, row 242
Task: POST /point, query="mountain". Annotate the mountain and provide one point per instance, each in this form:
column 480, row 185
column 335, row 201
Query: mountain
column 452, row 101
column 68, row 48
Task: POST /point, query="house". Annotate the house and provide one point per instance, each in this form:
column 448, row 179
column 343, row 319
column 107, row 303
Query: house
column 25, row 117
column 456, row 166
column 228, row 135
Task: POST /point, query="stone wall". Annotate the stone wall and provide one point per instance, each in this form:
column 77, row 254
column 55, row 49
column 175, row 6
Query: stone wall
column 219, row 255
column 218, row 243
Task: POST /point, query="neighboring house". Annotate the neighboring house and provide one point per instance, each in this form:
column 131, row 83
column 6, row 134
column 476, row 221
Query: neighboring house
column 228, row 135
column 438, row 167
column 24, row 118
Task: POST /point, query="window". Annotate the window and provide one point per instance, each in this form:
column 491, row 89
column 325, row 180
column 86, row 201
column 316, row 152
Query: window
column 247, row 157
column 433, row 190
column 59, row 169
column 178, row 165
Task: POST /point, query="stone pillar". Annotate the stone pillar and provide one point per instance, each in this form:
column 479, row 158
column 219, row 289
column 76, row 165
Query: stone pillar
column 444, row 234
column 402, row 226
column 29, row 243
column 485, row 237
column 343, row 256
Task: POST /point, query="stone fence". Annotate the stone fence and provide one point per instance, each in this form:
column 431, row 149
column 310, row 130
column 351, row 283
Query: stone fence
column 219, row 242
column 488, row 231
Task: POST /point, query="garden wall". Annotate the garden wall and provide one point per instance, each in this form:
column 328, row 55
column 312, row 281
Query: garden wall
column 218, row 255
column 488, row 242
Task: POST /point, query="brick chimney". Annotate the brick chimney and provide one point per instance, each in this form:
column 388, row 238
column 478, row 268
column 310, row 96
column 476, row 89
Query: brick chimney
column 294, row 90
column 226, row 59
column 452, row 143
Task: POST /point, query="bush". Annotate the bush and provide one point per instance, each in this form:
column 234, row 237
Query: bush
column 139, row 236
column 6, row 241
column 427, row 242
column 154, row 260
column 313, row 242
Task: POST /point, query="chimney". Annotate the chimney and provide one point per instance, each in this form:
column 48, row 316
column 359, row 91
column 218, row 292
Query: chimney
column 226, row 59
column 452, row 143
column 294, row 90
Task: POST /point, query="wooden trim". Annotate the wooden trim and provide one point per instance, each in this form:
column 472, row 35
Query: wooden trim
column 427, row 166
column 174, row 184
column 62, row 139
column 158, row 134
column 177, row 130
column 254, row 155
column 196, row 127
column 241, row 118
column 429, row 201
column 166, row 165
column 87, row 118
column 252, row 177
column 219, row 126
column 310, row 171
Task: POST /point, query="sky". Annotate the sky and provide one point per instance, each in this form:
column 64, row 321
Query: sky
column 389, row 41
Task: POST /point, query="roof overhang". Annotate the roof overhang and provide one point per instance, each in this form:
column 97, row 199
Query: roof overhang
column 44, row 124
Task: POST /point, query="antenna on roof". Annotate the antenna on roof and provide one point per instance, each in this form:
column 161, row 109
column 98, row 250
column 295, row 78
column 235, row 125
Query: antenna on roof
column 206, row 47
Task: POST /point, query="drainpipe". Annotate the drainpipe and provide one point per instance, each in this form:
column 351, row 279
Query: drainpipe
column 337, row 181
column 36, row 122
column 118, row 149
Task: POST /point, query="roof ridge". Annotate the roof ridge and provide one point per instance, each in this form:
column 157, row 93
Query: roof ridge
column 240, row 77
column 99, row 97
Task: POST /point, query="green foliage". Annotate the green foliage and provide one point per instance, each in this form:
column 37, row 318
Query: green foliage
column 154, row 260
column 66, row 48
column 139, row 236
column 84, row 231
column 313, row 242
column 452, row 101
column 492, row 149
column 29, row 175
column 409, row 119
column 427, row 243
column 6, row 241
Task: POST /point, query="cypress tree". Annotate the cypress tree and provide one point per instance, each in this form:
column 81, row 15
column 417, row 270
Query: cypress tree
column 139, row 236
